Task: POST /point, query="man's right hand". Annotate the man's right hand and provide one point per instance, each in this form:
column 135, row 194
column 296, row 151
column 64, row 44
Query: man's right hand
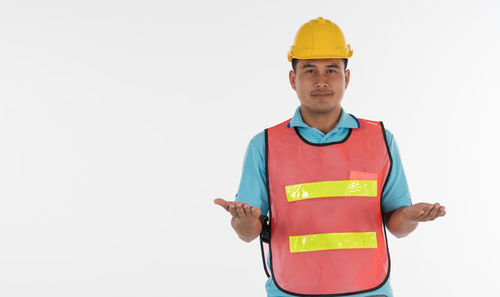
column 239, row 210
column 245, row 219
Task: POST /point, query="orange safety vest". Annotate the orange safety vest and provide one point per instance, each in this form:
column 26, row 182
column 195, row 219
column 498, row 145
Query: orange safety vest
column 327, row 235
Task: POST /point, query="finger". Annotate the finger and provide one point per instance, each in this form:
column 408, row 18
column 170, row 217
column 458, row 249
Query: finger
column 246, row 209
column 219, row 201
column 433, row 212
column 424, row 213
column 427, row 216
column 222, row 203
column 255, row 211
column 421, row 213
column 232, row 210
column 239, row 210
column 441, row 212
column 420, row 209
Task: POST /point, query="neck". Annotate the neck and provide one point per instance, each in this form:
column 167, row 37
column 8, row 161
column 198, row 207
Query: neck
column 324, row 121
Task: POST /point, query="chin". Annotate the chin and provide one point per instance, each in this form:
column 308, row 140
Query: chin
column 321, row 108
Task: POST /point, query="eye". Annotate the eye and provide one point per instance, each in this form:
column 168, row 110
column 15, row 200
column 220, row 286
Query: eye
column 331, row 71
column 309, row 71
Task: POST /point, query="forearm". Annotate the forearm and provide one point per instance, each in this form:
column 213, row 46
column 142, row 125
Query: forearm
column 246, row 230
column 399, row 224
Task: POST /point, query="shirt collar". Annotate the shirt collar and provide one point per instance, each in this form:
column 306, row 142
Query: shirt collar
column 346, row 120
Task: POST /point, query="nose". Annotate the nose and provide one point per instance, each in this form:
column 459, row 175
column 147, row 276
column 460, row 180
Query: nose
column 321, row 81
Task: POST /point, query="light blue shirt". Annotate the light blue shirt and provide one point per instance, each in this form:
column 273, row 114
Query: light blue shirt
column 253, row 190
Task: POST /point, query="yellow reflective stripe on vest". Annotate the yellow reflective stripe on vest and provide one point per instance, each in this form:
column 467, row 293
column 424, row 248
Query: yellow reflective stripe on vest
column 333, row 241
column 337, row 188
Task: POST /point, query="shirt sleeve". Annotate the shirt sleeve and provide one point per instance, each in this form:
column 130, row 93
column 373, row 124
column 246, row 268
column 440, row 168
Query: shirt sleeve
column 396, row 193
column 252, row 189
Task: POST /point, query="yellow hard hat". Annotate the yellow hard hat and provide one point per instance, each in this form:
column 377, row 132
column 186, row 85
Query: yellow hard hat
column 319, row 39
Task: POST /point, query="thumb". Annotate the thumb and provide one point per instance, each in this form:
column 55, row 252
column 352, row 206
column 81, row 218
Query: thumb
column 222, row 203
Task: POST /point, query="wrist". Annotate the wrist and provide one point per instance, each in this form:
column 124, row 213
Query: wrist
column 247, row 229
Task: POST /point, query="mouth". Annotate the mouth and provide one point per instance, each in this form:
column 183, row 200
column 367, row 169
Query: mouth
column 321, row 94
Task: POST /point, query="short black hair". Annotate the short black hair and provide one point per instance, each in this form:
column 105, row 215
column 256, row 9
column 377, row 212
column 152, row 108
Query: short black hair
column 295, row 61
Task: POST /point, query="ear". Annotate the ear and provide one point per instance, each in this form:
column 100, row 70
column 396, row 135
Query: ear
column 347, row 78
column 291, row 76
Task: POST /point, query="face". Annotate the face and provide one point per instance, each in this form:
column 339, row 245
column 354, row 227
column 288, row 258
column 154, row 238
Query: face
column 320, row 84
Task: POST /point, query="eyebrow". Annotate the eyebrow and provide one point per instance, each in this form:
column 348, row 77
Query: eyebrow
column 309, row 66
column 314, row 66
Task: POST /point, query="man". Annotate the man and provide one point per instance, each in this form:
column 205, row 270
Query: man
column 329, row 182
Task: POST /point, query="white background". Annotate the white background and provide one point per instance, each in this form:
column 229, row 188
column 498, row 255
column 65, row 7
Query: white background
column 121, row 121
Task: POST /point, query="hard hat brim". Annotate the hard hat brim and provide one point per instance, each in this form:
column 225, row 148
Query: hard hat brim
column 339, row 54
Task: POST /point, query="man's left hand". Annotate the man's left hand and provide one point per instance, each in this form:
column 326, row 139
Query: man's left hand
column 423, row 212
